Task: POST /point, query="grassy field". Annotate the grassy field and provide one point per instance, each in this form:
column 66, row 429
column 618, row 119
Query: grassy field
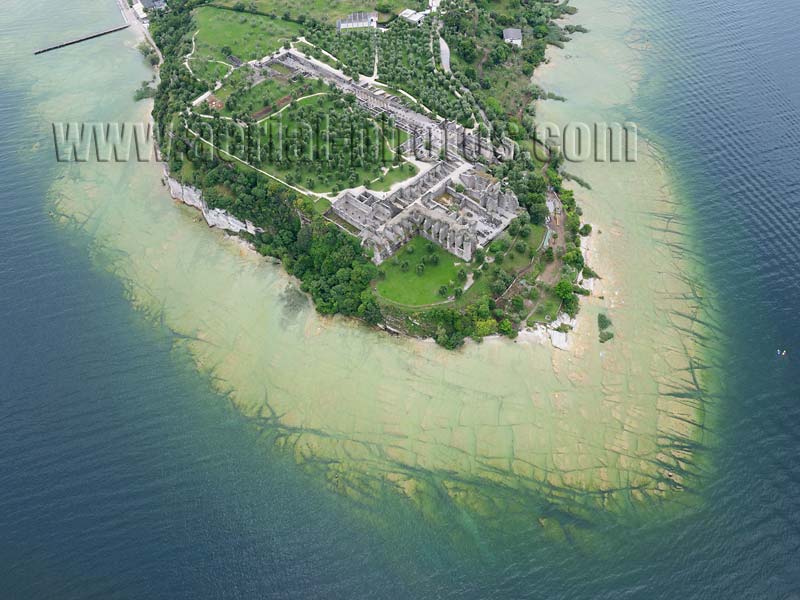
column 546, row 309
column 248, row 36
column 394, row 175
column 321, row 206
column 235, row 80
column 240, row 97
column 208, row 71
column 411, row 289
column 479, row 289
column 513, row 260
column 324, row 10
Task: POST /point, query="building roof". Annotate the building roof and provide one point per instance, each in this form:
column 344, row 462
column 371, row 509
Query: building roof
column 413, row 16
column 139, row 10
column 512, row 34
column 360, row 16
column 358, row 19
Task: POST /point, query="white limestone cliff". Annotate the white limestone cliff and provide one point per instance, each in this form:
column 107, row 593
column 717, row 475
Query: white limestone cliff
column 215, row 217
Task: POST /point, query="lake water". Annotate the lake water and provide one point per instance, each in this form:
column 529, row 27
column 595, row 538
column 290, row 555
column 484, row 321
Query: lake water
column 177, row 423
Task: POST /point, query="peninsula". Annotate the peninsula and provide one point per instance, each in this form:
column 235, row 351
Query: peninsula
column 385, row 154
column 493, row 430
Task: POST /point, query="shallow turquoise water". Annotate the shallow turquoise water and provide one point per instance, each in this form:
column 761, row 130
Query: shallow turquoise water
column 123, row 476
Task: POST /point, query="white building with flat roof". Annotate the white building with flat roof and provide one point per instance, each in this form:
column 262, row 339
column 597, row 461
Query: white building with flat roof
column 413, row 16
column 138, row 9
column 513, row 36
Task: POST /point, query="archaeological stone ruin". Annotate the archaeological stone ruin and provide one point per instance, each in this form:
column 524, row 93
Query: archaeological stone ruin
column 431, row 205
column 453, row 202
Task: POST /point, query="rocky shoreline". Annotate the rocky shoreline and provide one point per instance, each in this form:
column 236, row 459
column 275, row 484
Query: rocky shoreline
column 221, row 219
column 214, row 217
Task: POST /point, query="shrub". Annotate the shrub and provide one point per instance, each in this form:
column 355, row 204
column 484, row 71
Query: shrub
column 506, row 328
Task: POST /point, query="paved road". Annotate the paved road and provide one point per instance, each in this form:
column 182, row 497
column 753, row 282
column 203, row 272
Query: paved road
column 445, row 52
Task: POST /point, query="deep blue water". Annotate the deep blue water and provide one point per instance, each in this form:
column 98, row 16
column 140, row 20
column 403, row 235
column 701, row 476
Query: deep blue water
column 123, row 476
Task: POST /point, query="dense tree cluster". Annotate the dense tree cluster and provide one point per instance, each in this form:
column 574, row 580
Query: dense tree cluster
column 407, row 61
column 244, row 99
column 474, row 32
column 330, row 264
column 450, row 327
column 355, row 49
column 177, row 87
column 323, row 143
column 333, row 136
column 524, row 178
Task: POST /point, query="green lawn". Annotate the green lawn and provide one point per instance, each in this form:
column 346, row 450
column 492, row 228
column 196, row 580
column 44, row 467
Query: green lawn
column 395, row 174
column 248, row 36
column 479, row 289
column 324, row 10
column 321, row 205
column 546, row 310
column 240, row 97
column 411, row 289
column 237, row 79
column 208, row 71
column 513, row 260
column 187, row 172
